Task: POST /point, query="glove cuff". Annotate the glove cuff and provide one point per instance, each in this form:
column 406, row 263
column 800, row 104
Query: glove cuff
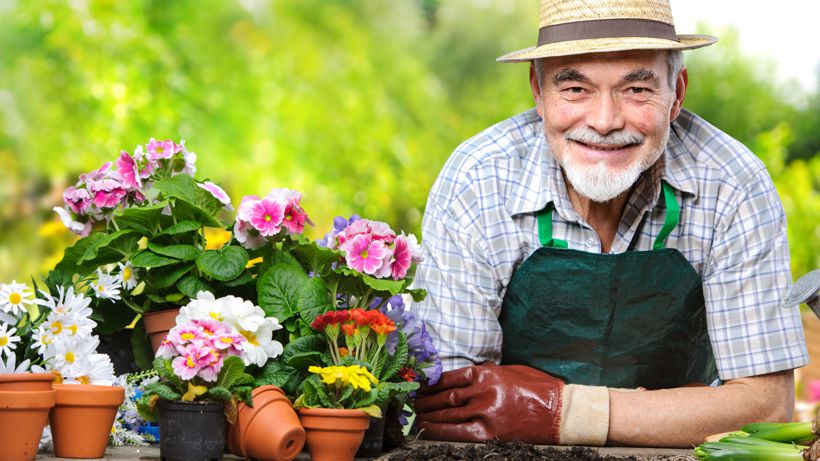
column 584, row 415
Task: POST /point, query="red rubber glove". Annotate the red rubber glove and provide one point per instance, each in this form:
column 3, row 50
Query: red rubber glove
column 508, row 402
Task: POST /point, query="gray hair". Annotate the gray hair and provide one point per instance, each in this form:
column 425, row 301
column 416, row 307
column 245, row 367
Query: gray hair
column 674, row 64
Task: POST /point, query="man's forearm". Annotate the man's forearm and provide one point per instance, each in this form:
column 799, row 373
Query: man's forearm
column 682, row 417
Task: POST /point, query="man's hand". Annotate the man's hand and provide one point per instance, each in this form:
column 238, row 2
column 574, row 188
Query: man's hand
column 483, row 402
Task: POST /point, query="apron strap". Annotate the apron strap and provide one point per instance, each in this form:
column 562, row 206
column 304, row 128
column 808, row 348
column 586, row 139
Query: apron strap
column 545, row 229
column 672, row 216
column 669, row 223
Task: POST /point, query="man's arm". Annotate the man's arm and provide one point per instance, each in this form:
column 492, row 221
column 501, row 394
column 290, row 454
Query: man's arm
column 683, row 417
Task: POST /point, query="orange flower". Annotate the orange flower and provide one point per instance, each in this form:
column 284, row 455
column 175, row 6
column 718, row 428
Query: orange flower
column 384, row 328
column 349, row 329
column 344, row 352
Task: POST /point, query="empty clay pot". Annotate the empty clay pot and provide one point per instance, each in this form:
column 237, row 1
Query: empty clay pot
column 268, row 431
column 23, row 415
column 26, row 382
column 82, row 418
column 333, row 434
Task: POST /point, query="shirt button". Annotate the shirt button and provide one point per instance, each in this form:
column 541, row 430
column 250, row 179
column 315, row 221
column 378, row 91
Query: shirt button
column 590, row 241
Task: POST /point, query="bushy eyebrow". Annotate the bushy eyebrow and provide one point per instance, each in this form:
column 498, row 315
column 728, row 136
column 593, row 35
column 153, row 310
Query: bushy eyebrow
column 640, row 75
column 568, row 74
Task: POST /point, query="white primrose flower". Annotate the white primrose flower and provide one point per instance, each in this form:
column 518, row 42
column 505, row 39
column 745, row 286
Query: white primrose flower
column 128, row 276
column 8, row 342
column 260, row 344
column 14, row 298
column 10, row 367
column 106, row 286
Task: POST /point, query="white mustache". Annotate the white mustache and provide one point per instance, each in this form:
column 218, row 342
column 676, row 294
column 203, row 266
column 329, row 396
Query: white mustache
column 616, row 138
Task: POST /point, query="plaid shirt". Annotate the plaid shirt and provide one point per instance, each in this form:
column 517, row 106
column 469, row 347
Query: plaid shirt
column 480, row 225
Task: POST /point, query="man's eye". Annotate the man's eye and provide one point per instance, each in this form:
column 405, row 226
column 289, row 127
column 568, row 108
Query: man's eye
column 575, row 90
column 638, row 90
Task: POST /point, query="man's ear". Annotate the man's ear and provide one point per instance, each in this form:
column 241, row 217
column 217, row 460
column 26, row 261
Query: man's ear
column 680, row 93
column 536, row 88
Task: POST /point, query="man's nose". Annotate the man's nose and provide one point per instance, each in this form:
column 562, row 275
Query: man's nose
column 605, row 114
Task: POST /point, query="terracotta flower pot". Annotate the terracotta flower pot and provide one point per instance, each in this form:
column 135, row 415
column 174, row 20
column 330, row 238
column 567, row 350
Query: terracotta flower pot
column 26, row 382
column 268, row 431
column 157, row 325
column 82, row 418
column 23, row 415
column 332, row 434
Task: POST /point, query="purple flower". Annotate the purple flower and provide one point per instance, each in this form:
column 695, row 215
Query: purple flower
column 419, row 342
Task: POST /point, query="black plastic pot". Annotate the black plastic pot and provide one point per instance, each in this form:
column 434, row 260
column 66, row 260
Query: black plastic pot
column 371, row 446
column 191, row 431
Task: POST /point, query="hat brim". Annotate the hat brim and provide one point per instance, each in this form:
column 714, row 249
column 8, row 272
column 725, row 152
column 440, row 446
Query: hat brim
column 605, row 45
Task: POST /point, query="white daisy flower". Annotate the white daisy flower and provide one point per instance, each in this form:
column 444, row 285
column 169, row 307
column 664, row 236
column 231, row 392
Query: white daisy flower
column 10, row 367
column 8, row 340
column 13, row 298
column 106, row 286
column 8, row 318
column 66, row 302
column 97, row 370
column 128, row 276
column 71, row 356
column 42, row 339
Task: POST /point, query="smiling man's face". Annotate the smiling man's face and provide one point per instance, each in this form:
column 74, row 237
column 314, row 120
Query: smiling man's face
column 606, row 117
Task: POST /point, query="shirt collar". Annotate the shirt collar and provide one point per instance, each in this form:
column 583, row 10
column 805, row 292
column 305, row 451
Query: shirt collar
column 542, row 181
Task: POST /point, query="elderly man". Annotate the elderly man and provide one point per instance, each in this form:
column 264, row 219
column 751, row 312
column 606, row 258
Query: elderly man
column 595, row 263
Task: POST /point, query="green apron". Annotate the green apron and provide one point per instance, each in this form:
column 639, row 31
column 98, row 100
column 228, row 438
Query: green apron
column 617, row 320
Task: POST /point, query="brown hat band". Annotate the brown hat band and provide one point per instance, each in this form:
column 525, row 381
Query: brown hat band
column 606, row 28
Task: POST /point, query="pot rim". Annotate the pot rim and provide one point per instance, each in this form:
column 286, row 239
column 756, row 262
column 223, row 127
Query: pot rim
column 337, row 412
column 21, row 400
column 89, row 395
column 17, row 377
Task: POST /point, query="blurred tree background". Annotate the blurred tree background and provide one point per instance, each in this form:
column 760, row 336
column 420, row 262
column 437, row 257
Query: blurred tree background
column 356, row 103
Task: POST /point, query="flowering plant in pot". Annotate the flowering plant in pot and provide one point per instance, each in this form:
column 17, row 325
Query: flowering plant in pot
column 202, row 361
column 142, row 219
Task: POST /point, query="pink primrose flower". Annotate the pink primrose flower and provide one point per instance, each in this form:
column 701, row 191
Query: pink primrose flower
column 212, row 362
column 245, row 206
column 401, row 258
column 365, row 255
column 128, row 171
column 382, row 231
column 209, row 329
column 79, row 228
column 78, row 200
column 162, row 149
column 358, row 227
column 294, row 218
column 96, row 175
column 230, row 343
column 247, row 236
column 218, row 193
column 166, row 349
column 284, row 195
column 107, row 192
column 188, row 364
column 190, row 160
column 145, row 163
column 266, row 216
column 182, row 335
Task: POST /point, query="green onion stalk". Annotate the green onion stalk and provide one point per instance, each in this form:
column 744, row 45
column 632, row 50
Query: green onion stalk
column 766, row 442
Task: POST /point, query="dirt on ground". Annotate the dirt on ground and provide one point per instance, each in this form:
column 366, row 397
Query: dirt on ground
column 513, row 451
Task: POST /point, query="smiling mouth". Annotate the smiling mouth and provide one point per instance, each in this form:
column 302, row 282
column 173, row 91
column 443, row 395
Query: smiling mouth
column 606, row 148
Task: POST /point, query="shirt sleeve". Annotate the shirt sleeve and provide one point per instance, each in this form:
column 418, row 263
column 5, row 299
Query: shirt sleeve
column 463, row 301
column 745, row 279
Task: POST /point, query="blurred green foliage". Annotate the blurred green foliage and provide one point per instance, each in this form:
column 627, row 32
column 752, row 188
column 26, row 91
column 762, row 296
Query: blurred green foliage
column 355, row 103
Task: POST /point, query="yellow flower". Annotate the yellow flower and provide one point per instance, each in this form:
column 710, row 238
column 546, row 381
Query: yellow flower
column 354, row 375
column 193, row 392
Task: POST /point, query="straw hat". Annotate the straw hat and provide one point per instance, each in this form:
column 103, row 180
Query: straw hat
column 570, row 27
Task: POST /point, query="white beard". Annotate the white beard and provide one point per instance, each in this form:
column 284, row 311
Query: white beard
column 597, row 182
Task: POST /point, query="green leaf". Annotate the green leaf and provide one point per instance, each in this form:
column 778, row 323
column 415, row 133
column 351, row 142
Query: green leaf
column 399, row 358
column 311, row 392
column 317, row 259
column 162, row 390
column 373, row 410
column 183, row 252
column 184, row 187
column 394, row 287
column 314, row 300
column 190, row 285
column 279, row 291
column 303, row 360
column 219, row 393
column 147, row 259
column 191, row 212
column 112, row 317
column 243, row 279
column 70, row 264
column 144, row 219
column 92, row 251
column 141, row 347
column 231, row 372
column 276, row 374
column 181, row 228
column 166, row 371
column 167, row 276
column 224, row 264
column 418, row 294
column 304, row 344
